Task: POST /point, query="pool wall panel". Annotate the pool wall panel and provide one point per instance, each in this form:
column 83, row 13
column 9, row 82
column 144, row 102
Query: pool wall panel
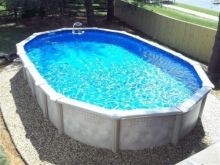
column 148, row 132
column 189, row 119
column 35, row 80
column 54, row 113
column 54, row 109
column 30, row 81
column 88, row 127
column 42, row 99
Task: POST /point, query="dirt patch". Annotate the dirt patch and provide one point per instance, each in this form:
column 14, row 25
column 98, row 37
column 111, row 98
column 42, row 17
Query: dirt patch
column 6, row 142
column 216, row 93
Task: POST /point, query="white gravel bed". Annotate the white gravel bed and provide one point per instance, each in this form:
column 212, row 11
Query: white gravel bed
column 38, row 140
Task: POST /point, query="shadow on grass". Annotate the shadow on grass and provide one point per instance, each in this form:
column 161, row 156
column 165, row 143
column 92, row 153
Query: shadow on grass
column 10, row 34
column 15, row 31
column 61, row 149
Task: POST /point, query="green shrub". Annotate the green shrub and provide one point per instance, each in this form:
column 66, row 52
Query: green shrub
column 3, row 159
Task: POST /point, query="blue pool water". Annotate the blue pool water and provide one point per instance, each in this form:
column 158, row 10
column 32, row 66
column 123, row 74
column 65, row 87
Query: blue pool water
column 112, row 70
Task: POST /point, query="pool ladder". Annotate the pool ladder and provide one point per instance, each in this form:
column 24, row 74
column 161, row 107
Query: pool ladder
column 77, row 28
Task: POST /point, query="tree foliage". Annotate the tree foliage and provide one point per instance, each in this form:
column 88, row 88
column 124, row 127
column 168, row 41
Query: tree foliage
column 29, row 8
column 110, row 10
column 89, row 12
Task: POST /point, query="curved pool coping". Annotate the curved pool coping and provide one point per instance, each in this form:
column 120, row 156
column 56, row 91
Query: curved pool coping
column 99, row 127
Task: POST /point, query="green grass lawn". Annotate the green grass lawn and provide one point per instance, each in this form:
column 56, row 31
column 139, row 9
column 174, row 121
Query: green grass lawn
column 177, row 15
column 195, row 8
column 3, row 158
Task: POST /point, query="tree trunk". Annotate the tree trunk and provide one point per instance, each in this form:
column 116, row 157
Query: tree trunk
column 110, row 10
column 214, row 63
column 89, row 13
column 15, row 13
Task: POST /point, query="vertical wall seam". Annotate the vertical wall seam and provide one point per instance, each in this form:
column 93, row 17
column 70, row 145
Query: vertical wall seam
column 202, row 106
column 176, row 130
column 24, row 73
column 45, row 105
column 116, row 135
column 60, row 117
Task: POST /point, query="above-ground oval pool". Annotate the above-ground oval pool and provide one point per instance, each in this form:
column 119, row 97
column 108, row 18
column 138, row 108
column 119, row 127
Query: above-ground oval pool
column 111, row 89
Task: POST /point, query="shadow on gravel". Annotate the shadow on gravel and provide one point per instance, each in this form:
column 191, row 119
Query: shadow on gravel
column 217, row 85
column 60, row 149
